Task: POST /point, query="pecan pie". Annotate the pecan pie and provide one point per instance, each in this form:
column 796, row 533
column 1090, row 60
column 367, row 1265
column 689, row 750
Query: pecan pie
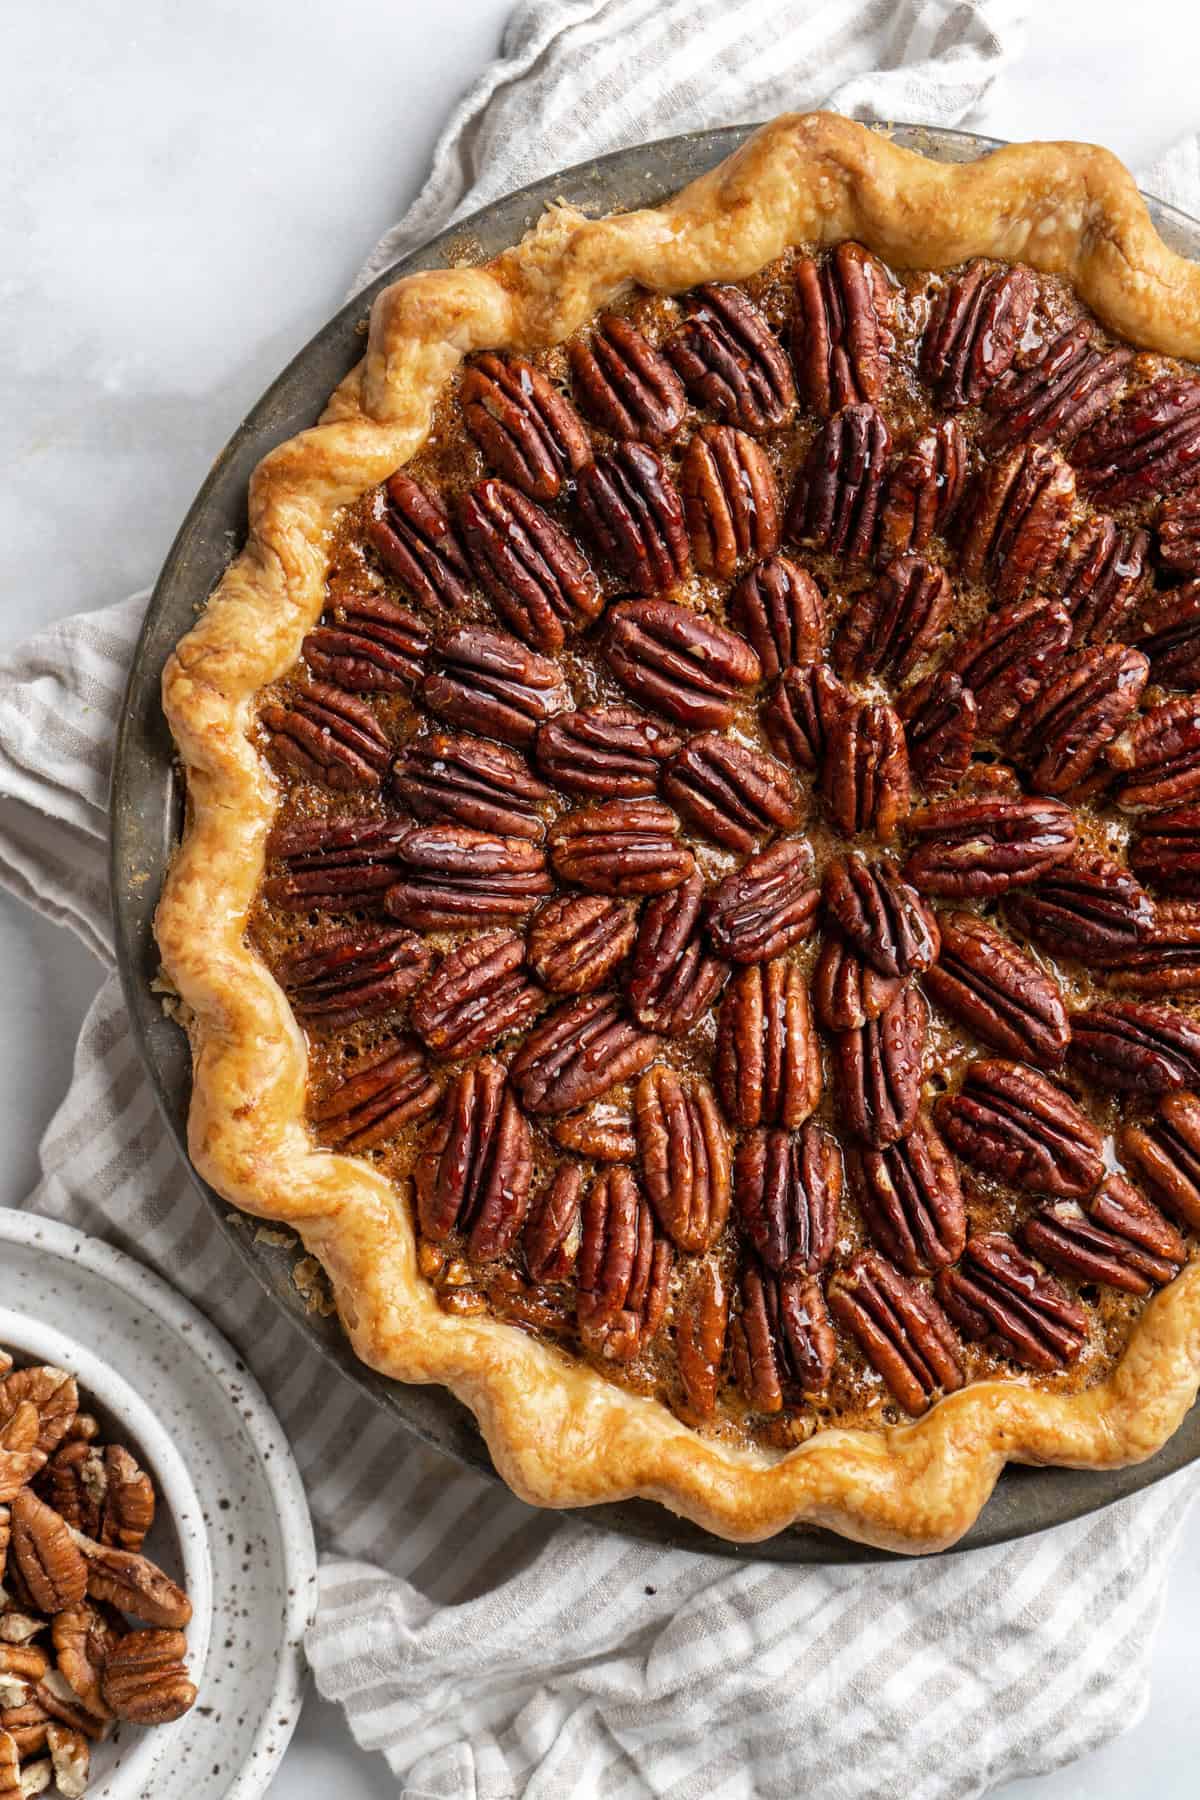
column 690, row 902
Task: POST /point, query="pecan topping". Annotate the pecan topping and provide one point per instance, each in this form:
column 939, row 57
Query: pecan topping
column 410, row 530
column 680, row 662
column 998, row 992
column 788, row 1188
column 841, row 334
column 971, row 849
column 1136, row 1046
column 478, row 994
column 605, row 752
column 893, row 624
column 447, row 877
column 700, row 1329
column 330, row 736
column 577, row 1054
column 577, row 940
column 1118, row 1238
column 730, row 360
column 1167, row 959
column 781, row 1339
column 535, row 576
column 847, row 991
column 778, row 607
column 1018, row 521
column 1012, row 1122
column 901, row 1330
column 1160, row 756
column 940, row 717
column 836, row 501
column 1063, row 732
column 923, row 490
column 336, row 864
column 52, row 1391
column 684, row 1150
column 1088, row 908
column 1165, row 1151
column 621, row 847
column 1000, row 1297
column 768, row 1060
column 730, row 499
column 766, row 905
column 491, row 682
column 357, row 974
column 633, row 510
column 882, row 916
column 911, row 1200
column 1057, row 397
column 604, row 1133
column 146, row 1680
column 625, row 386
column 674, row 980
column 865, row 777
column 525, row 428
column 45, row 1554
column 1170, row 637
column 1148, row 444
column 369, row 646
column 879, row 1068
column 1178, row 531
column 801, row 711
column 551, row 1236
column 732, row 794
column 624, row 1269
column 473, row 1175
column 974, row 332
column 467, row 781
column 1007, row 660
column 386, row 1091
column 1166, row 850
column 1100, row 578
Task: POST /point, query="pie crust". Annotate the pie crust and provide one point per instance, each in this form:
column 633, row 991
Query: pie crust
column 560, row 1434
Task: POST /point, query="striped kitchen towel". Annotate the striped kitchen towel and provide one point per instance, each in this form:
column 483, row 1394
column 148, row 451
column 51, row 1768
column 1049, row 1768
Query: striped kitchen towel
column 488, row 1650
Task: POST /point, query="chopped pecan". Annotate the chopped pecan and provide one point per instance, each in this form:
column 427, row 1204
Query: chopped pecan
column 900, row 1328
column 336, row 864
column 1018, row 521
column 479, row 993
column 475, row 1171
column 577, row 940
column 343, row 976
column 447, row 876
column 467, row 781
column 525, row 428
column 865, row 777
column 680, row 662
column 1169, row 634
column 998, row 992
column 1159, row 755
column 603, row 1133
column 766, row 905
column 842, row 338
column 1118, row 1238
column 801, row 712
column 536, row 577
column 1167, row 957
column 577, row 1054
column 1100, row 578
column 684, row 1151
column 911, row 1199
column 1000, row 1297
column 626, row 386
column 410, row 529
column 778, row 607
column 891, row 625
column 491, row 682
column 1062, row 734
column 731, row 362
column 1136, row 1046
column 146, row 1680
column 1012, row 1122
column 623, row 1269
column 768, row 1060
column 847, row 991
column 45, row 1554
column 1009, row 657
column 1088, row 908
column 70, row 1759
column 835, row 504
column 1164, row 1149
column 975, row 331
column 879, row 1069
column 730, row 500
column 972, row 849
column 1166, row 850
column 788, row 1191
column 1148, row 444
column 674, row 980
column 940, row 717
column 368, row 645
column 330, row 736
column 11, row 1785
column 54, row 1393
column 922, row 491
column 1178, row 531
column 385, row 1091
column 633, row 510
column 551, row 1235
column 701, row 1324
column 781, row 1339
column 605, row 752
column 1058, row 396
column 621, row 847
column 884, row 918
column 732, row 794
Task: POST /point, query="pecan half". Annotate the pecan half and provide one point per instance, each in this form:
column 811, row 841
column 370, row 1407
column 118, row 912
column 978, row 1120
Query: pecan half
column 701, row 1325
column 878, row 1070
column 836, row 501
column 577, row 1054
column 385, row 1091
column 1008, row 658
column 674, row 980
column 732, row 794
column 684, row 1151
column 330, row 736
column 998, row 992
column 766, row 905
column 368, row 645
column 847, row 991
column 680, row 662
column 1100, row 577
column 84, row 1638
column 778, row 607
column 1017, row 521
column 911, row 1199
column 623, row 1269
column 1055, row 398
column 1088, row 908
column 536, row 577
column 605, row 752
column 411, row 532
column 467, row 781
column 730, row 500
column 730, row 360
column 129, row 1502
column 801, row 711
column 604, row 1133
column 891, row 625
column 788, row 1191
column 551, row 1236
column 881, row 915
column 146, row 1679
column 900, row 1328
column 781, row 1339
column 1167, row 958
column 336, row 864
column 1178, row 531
column 998, row 1296
column 621, row 847
column 52, row 1391
column 1063, row 732
column 1160, row 756
column 1164, row 1150
column 1148, row 444
column 475, row 1171
column 842, row 338
column 971, row 849
column 1166, row 850
column 768, row 1060
column 865, row 777
column 75, row 1483
column 448, row 876
column 633, row 510
column 1118, row 1237
column 1135, row 1046
column 479, row 993
column 975, row 331
column 941, row 716
column 491, row 682
column 525, row 428
column 577, row 940
column 45, row 1555
column 923, row 490
column 626, row 386
column 1169, row 634
column 1012, row 1122
column 344, row 976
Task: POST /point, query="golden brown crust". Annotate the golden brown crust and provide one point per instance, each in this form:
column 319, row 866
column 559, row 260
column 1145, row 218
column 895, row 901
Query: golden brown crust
column 559, row 1433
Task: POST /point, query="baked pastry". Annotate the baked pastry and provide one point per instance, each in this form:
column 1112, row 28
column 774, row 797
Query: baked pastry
column 690, row 898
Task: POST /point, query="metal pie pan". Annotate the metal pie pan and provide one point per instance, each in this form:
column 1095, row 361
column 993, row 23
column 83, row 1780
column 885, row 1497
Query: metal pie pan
column 147, row 809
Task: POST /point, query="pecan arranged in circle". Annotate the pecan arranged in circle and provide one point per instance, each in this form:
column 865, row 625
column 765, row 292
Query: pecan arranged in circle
column 1062, row 734
column 1148, row 444
column 1136, row 1046
column 491, row 682
column 330, row 736
column 606, row 752
column 730, row 360
column 344, row 976
column 971, row 849
column 847, row 991
column 577, row 1054
column 768, row 1060
column 536, row 577
column 1167, row 959
column 998, row 992
column 778, row 607
column 369, row 646
column 701, row 1325
column 892, row 624
column 1118, row 1238
column 1166, row 850
column 1057, row 397
column 940, row 717
column 1178, row 531
column 1159, row 755
column 1089, row 908
column 551, row 1235
column 730, row 499
column 626, row 386
column 411, row 532
column 781, row 1339
column 788, row 1188
column 1018, row 522
column 577, row 940
column 335, row 864
column 448, row 876
column 1000, row 1297
column 879, row 1068
column 479, row 993
column 1101, row 577
column 865, row 778
column 923, row 490
column 884, row 918
column 732, row 794
column 468, row 781
column 841, row 335
column 623, row 1269
column 475, row 1171
column 975, row 330
column 684, row 1151
column 1169, row 634
column 680, row 662
column 1012, row 1122
column 674, row 980
column 901, row 1330
column 766, row 905
column 383, row 1093
column 910, row 1197
column 1008, row 659
column 633, row 510
column 836, row 501
column 525, row 428
column 621, row 847
column 1164, row 1149
column 801, row 712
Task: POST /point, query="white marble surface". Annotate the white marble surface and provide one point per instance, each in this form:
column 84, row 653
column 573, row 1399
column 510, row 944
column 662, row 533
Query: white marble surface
column 189, row 189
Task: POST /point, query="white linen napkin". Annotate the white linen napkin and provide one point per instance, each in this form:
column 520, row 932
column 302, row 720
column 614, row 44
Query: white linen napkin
column 489, row 1650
